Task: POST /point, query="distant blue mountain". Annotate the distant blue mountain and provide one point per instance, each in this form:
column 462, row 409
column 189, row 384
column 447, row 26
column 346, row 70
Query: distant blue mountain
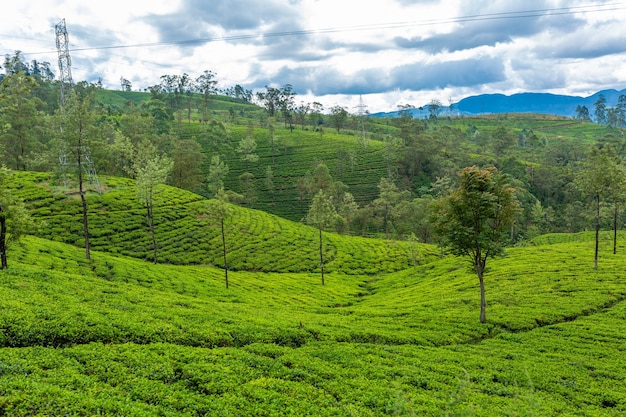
column 543, row 103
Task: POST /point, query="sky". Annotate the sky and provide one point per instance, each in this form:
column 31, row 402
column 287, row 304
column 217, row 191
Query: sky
column 386, row 53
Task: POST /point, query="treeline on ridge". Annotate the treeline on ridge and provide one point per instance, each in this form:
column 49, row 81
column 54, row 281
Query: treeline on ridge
column 275, row 152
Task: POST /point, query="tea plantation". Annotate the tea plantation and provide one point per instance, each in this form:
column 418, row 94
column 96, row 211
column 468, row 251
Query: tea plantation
column 389, row 333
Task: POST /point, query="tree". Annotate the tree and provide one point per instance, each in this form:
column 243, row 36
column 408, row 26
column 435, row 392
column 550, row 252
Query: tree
column 301, row 112
column 269, row 181
column 126, row 85
column 214, row 134
column 286, row 103
column 78, row 131
column 248, row 184
column 338, row 117
column 136, row 123
column 612, row 117
column 206, row 84
column 220, row 210
column 434, row 107
column 389, row 197
column 582, row 113
column 322, row 215
column 600, row 109
column 151, row 170
column 620, row 110
column 474, row 219
column 503, row 139
column 217, row 172
column 247, row 148
column 187, row 169
column 315, row 116
column 270, row 100
column 602, row 177
column 14, row 218
column 271, row 129
column 20, row 114
column 348, row 209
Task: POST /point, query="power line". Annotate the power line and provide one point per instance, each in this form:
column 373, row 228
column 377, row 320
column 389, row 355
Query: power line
column 397, row 25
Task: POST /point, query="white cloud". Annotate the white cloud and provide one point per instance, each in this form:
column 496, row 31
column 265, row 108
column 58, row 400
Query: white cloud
column 392, row 51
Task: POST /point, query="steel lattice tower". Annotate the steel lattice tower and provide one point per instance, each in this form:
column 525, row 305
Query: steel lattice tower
column 65, row 62
column 361, row 112
column 66, row 84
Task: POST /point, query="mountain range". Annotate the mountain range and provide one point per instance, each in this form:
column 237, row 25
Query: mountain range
column 543, row 103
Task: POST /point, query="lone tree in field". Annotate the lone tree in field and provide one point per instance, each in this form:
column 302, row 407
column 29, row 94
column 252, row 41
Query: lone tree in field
column 322, row 214
column 220, row 210
column 14, row 219
column 474, row 219
column 151, row 170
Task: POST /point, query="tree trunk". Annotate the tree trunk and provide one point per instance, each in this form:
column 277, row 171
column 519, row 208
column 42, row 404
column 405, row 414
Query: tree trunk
column 615, row 230
column 224, row 250
column 3, row 243
column 151, row 224
column 483, row 304
column 595, row 259
column 321, row 257
column 84, row 204
column 386, row 223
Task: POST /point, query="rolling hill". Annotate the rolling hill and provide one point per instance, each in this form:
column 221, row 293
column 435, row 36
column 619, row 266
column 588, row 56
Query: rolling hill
column 121, row 336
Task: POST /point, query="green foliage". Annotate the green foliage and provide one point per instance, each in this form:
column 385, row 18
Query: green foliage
column 218, row 171
column 14, row 218
column 473, row 220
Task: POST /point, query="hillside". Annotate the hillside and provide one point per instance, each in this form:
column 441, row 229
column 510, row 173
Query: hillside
column 293, row 155
column 186, row 235
column 121, row 336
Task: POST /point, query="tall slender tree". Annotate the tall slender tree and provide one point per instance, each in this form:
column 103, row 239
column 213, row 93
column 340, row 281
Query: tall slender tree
column 600, row 109
column 207, row 86
column 79, row 125
column 220, row 210
column 602, row 177
column 322, row 214
column 218, row 170
column 151, row 170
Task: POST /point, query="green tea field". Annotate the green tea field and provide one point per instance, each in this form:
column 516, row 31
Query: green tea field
column 388, row 334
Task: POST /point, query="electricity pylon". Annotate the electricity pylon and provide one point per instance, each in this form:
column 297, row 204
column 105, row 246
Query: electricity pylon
column 66, row 84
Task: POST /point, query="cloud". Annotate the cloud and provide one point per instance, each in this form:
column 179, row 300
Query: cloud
column 589, row 41
column 538, row 75
column 414, row 2
column 199, row 18
column 462, row 73
column 488, row 24
column 417, row 76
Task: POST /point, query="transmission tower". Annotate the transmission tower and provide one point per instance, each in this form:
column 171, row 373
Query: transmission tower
column 65, row 62
column 66, row 84
column 361, row 113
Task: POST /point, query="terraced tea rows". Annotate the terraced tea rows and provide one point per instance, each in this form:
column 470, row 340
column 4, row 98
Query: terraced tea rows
column 185, row 235
column 404, row 343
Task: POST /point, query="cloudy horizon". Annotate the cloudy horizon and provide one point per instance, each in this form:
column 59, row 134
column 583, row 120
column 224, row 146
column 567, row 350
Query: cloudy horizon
column 389, row 52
